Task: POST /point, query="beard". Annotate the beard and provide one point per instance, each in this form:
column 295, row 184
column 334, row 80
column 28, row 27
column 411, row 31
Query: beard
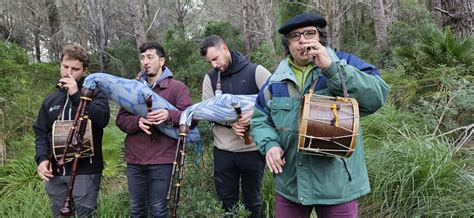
column 150, row 72
column 225, row 67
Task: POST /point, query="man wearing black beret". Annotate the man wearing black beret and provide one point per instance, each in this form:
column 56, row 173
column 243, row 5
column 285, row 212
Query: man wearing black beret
column 303, row 181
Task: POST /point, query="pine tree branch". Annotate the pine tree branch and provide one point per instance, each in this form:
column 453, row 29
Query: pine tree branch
column 444, row 12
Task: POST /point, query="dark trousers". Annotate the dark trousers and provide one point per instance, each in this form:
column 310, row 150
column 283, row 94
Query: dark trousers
column 148, row 186
column 234, row 169
column 84, row 194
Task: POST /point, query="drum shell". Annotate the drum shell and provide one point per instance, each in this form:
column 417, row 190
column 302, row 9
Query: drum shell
column 59, row 137
column 319, row 134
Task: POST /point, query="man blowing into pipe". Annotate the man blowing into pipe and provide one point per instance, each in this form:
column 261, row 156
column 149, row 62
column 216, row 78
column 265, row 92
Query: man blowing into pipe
column 305, row 182
column 62, row 105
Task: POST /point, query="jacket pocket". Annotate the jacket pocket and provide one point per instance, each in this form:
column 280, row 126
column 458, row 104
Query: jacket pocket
column 284, row 112
column 285, row 116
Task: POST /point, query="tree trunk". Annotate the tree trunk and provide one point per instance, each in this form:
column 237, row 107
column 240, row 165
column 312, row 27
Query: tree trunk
column 139, row 31
column 336, row 23
column 334, row 12
column 381, row 32
column 181, row 11
column 36, row 35
column 99, row 17
column 146, row 9
column 256, row 25
column 78, row 5
column 390, row 9
column 249, row 37
column 55, row 27
column 266, row 23
column 3, row 151
column 437, row 14
column 459, row 15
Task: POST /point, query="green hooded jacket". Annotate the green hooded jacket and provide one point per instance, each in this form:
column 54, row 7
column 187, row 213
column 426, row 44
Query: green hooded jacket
column 311, row 179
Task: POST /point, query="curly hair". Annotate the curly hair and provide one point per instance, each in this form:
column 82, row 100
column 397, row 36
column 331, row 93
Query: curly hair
column 76, row 52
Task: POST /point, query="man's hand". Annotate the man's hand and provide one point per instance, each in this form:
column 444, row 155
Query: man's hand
column 241, row 125
column 158, row 117
column 319, row 54
column 274, row 160
column 44, row 170
column 238, row 129
column 70, row 84
column 144, row 124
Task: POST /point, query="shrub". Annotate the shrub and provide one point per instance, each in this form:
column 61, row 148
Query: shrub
column 225, row 29
column 411, row 173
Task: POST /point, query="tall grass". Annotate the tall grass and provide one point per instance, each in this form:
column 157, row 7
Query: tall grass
column 412, row 174
column 113, row 201
column 20, row 184
column 27, row 201
column 268, row 194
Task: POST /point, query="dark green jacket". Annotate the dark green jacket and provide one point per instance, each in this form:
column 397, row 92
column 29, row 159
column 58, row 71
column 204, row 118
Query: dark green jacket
column 310, row 179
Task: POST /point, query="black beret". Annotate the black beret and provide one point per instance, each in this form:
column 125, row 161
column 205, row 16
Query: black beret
column 302, row 20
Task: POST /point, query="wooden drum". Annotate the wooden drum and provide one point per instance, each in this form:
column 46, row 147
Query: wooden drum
column 329, row 126
column 59, row 138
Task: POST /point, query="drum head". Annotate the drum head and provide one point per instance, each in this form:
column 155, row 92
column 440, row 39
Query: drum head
column 61, row 130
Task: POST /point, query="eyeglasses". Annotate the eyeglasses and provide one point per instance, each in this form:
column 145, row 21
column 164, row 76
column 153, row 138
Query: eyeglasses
column 308, row 34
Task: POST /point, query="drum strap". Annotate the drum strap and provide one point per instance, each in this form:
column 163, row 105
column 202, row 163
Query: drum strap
column 341, row 73
column 343, row 83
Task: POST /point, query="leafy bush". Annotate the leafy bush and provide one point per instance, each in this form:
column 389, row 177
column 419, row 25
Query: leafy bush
column 184, row 60
column 412, row 20
column 225, row 29
column 22, row 89
column 265, row 55
column 434, row 49
column 13, row 52
column 435, row 76
column 387, row 123
column 112, row 152
column 123, row 59
column 28, row 201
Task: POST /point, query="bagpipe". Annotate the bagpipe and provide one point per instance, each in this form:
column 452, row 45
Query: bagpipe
column 137, row 98
column 223, row 109
column 132, row 95
column 76, row 144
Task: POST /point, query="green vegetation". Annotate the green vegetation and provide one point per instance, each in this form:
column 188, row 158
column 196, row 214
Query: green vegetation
column 412, row 173
column 414, row 169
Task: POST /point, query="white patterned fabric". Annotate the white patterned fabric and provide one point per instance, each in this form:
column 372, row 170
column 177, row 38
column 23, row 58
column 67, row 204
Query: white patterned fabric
column 131, row 95
column 219, row 109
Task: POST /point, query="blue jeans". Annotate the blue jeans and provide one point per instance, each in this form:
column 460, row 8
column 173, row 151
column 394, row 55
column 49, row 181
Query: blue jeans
column 84, row 194
column 148, row 186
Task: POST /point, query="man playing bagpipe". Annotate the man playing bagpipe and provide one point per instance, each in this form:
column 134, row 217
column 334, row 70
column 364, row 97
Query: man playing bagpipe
column 57, row 111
